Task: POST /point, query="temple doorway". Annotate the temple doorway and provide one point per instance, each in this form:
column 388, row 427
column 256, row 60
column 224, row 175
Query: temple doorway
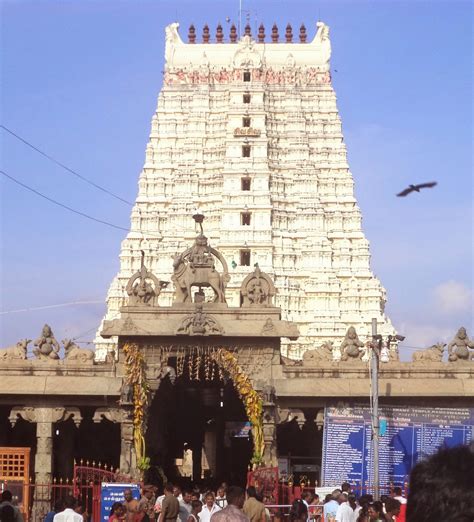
column 198, row 432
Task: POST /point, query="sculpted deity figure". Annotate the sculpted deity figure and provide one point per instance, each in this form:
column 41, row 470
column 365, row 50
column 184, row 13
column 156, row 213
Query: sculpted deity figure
column 351, row 346
column 47, row 346
column 458, row 348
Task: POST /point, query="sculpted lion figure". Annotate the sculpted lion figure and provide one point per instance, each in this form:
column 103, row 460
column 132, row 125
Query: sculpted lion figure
column 352, row 347
column 458, row 348
column 17, row 351
column 323, row 353
column 72, row 352
column 432, row 354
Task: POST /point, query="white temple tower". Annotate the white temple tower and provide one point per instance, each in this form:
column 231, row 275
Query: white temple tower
column 248, row 133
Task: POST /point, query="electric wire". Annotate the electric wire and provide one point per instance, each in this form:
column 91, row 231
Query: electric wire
column 65, row 167
column 45, row 307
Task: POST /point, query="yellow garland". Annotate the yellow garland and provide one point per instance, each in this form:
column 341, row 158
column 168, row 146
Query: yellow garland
column 135, row 374
column 252, row 401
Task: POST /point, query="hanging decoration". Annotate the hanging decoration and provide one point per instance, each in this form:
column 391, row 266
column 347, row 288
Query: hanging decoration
column 135, row 374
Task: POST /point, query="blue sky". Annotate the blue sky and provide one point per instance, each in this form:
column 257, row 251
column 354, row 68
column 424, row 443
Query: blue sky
column 80, row 81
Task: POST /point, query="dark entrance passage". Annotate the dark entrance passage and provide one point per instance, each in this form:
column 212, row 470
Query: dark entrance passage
column 198, row 432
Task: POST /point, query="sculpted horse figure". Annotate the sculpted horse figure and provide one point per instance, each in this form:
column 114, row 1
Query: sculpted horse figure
column 196, row 267
column 185, row 277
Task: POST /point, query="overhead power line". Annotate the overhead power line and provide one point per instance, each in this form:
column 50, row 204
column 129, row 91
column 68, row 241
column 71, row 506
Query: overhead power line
column 45, row 307
column 51, row 200
column 65, row 167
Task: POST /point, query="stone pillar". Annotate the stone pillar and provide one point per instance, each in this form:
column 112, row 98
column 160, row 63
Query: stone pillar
column 44, row 417
column 270, row 420
column 128, row 460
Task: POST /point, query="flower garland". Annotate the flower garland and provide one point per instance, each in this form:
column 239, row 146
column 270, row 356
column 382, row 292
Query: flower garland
column 252, row 401
column 135, row 374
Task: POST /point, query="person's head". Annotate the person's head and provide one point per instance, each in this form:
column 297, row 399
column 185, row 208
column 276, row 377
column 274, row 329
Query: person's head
column 7, row 496
column 187, row 496
column 315, row 499
column 176, row 491
column 298, row 511
column 307, row 496
column 236, row 496
column 196, row 506
column 7, row 513
column 58, row 505
column 335, row 494
column 440, row 486
column 365, row 500
column 346, row 487
column 127, row 495
column 351, row 498
column 70, row 502
column 169, row 489
column 342, row 498
column 397, row 491
column 117, row 509
column 209, row 499
column 373, row 512
column 392, row 506
column 251, row 492
column 148, row 492
column 328, row 498
column 221, row 491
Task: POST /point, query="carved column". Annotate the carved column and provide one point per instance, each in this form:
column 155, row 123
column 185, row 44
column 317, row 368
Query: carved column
column 128, row 460
column 270, row 421
column 44, row 419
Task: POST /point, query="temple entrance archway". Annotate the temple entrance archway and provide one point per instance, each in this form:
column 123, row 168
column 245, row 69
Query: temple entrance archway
column 198, row 431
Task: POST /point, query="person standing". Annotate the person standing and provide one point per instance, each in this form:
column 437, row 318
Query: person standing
column 169, row 506
column 196, row 509
column 7, row 500
column 221, row 499
column 331, row 507
column 146, row 504
column 185, row 506
column 117, row 513
column 68, row 514
column 130, row 504
column 344, row 512
column 254, row 509
column 233, row 511
column 209, row 508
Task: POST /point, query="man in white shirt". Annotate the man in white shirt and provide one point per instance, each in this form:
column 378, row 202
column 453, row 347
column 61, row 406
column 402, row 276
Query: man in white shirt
column 397, row 495
column 209, row 508
column 344, row 512
column 68, row 515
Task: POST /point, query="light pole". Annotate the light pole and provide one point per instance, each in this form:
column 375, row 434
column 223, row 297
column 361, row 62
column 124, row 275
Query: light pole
column 374, row 376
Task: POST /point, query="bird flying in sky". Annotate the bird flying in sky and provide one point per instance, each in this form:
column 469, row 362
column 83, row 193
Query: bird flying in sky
column 416, row 188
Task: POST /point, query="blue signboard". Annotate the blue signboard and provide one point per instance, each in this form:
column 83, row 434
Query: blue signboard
column 110, row 493
column 408, row 435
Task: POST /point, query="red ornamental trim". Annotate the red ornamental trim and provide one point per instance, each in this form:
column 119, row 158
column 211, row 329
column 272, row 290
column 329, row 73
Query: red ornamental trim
column 310, row 76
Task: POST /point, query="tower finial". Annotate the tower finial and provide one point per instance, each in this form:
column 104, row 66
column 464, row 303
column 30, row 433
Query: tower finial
column 275, row 34
column 261, row 33
column 289, row 34
column 303, row 33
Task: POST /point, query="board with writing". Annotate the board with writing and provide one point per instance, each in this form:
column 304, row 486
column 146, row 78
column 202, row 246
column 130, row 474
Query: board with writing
column 111, row 493
column 409, row 435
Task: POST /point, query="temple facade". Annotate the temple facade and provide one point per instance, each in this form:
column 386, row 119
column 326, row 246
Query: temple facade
column 248, row 133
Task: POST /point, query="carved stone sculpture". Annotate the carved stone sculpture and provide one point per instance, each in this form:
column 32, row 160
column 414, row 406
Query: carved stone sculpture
column 72, row 352
column 47, row 346
column 257, row 289
column 195, row 267
column 143, row 287
column 269, row 394
column 199, row 323
column 432, row 354
column 321, row 354
column 351, row 347
column 458, row 348
column 17, row 351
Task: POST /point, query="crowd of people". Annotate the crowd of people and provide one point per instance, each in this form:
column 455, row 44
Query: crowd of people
column 342, row 505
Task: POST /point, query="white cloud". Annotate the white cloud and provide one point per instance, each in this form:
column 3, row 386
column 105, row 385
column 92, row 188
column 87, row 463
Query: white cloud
column 452, row 297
